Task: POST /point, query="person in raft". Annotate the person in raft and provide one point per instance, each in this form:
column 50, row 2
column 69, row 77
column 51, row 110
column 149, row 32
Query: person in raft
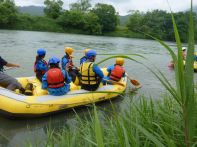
column 84, row 58
column 195, row 56
column 40, row 65
column 67, row 64
column 91, row 74
column 115, row 72
column 7, row 81
column 56, row 80
column 184, row 54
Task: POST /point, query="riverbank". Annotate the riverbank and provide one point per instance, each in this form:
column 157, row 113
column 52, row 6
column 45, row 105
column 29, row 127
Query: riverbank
column 45, row 24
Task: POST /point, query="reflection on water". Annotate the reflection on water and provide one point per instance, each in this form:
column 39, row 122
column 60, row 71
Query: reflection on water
column 20, row 47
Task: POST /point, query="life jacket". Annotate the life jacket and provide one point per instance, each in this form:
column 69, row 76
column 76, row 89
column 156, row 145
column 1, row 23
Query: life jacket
column 117, row 73
column 88, row 77
column 55, row 78
column 42, row 71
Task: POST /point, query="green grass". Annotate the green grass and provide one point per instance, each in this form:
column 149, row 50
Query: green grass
column 145, row 122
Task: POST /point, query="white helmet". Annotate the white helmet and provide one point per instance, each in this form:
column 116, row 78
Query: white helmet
column 184, row 48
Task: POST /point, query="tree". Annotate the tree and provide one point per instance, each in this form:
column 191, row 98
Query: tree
column 8, row 13
column 107, row 16
column 71, row 19
column 81, row 5
column 53, row 8
column 92, row 25
column 135, row 20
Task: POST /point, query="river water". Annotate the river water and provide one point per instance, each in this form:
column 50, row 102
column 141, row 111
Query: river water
column 20, row 47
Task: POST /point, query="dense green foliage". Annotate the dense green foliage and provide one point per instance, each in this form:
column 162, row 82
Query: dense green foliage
column 102, row 19
column 8, row 14
column 107, row 16
column 158, row 23
column 81, row 5
column 53, row 8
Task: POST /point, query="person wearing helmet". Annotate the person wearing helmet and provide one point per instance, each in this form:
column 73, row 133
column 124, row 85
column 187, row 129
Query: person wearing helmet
column 67, row 64
column 184, row 53
column 116, row 71
column 67, row 59
column 40, row 65
column 84, row 58
column 7, row 81
column 56, row 80
column 91, row 74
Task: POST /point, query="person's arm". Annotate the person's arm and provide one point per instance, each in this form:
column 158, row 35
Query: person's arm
column 64, row 63
column 12, row 65
column 98, row 71
column 66, row 76
column 44, row 81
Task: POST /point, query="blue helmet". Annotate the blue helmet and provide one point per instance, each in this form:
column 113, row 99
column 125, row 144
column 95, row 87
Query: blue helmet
column 41, row 51
column 90, row 54
column 54, row 60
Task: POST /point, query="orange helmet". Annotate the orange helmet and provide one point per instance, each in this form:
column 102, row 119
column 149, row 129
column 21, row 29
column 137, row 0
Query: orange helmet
column 68, row 50
column 120, row 61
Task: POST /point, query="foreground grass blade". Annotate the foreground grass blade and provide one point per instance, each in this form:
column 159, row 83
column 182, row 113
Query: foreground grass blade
column 98, row 130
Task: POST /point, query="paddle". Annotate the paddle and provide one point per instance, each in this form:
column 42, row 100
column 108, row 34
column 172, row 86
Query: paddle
column 134, row 82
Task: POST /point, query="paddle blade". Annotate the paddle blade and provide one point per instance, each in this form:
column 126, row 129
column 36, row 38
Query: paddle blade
column 135, row 82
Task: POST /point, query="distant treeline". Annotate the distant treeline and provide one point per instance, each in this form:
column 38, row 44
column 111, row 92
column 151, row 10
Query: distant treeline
column 102, row 19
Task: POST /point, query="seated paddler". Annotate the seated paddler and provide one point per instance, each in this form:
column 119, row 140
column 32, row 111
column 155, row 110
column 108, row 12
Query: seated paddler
column 115, row 72
column 91, row 74
column 57, row 81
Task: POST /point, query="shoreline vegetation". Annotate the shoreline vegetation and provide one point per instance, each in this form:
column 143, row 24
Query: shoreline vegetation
column 101, row 20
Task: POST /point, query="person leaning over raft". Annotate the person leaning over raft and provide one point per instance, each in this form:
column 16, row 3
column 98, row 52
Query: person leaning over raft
column 40, row 65
column 8, row 81
column 56, row 80
column 116, row 71
column 91, row 74
column 84, row 58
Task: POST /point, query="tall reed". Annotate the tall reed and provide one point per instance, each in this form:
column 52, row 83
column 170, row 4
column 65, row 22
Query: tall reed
column 184, row 92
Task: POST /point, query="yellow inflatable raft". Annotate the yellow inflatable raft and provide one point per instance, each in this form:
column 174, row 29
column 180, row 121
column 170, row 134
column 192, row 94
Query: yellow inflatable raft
column 41, row 103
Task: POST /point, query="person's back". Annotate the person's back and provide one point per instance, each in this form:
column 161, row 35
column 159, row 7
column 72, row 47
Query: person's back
column 56, row 80
column 91, row 74
column 115, row 72
column 40, row 65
